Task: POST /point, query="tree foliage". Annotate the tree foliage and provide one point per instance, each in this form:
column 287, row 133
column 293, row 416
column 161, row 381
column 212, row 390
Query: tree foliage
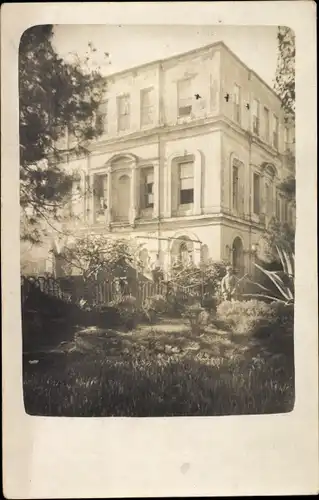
column 285, row 73
column 94, row 255
column 57, row 99
column 288, row 187
column 278, row 235
column 194, row 277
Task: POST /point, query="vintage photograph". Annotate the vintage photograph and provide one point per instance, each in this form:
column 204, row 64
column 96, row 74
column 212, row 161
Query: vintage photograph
column 157, row 200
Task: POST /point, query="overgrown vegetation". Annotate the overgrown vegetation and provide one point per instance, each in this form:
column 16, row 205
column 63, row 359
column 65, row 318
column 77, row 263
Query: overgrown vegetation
column 163, row 370
column 285, row 72
column 93, row 255
column 58, row 100
column 145, row 386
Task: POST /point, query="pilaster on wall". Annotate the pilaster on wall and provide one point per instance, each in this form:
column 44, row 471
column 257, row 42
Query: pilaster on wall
column 109, row 196
column 133, row 196
column 156, row 211
column 91, row 199
column 197, row 183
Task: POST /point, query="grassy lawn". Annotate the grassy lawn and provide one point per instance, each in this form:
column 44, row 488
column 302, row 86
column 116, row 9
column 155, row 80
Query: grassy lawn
column 158, row 370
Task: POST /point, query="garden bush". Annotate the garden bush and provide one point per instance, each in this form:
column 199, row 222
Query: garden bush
column 270, row 324
column 210, row 302
column 197, row 317
column 129, row 312
column 106, row 316
column 154, row 306
column 245, row 317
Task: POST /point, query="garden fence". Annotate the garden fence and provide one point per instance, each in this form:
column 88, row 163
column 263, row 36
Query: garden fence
column 73, row 289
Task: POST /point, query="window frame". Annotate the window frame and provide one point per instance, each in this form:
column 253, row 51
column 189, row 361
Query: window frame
column 185, row 203
column 256, row 175
column 190, row 98
column 151, row 107
column 145, row 194
column 102, row 187
column 235, row 206
column 121, row 116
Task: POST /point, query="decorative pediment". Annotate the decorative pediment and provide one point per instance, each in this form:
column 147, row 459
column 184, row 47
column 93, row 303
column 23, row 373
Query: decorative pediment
column 122, row 159
column 237, row 163
column 269, row 169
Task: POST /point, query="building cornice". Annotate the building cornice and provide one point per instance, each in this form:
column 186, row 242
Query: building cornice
column 208, row 123
column 201, row 51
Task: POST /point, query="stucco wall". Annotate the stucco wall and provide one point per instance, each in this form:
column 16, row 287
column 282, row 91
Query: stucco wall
column 203, row 70
column 252, row 87
column 131, row 82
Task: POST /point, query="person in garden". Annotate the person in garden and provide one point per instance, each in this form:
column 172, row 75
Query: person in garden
column 229, row 284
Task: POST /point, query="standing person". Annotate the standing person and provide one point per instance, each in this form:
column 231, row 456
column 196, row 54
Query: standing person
column 229, row 284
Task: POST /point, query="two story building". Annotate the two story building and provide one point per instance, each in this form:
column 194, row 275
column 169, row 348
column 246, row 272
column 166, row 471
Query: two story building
column 192, row 151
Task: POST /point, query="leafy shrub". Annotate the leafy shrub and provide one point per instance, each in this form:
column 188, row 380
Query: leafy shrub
column 129, row 313
column 154, row 305
column 176, row 301
column 244, row 317
column 210, row 302
column 197, row 317
column 106, row 316
column 284, row 314
column 192, row 274
column 271, row 325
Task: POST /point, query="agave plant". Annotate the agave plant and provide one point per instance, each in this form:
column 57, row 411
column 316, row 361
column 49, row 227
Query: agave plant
column 283, row 280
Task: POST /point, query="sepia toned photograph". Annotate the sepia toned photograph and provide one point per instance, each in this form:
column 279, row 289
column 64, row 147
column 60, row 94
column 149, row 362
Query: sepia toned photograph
column 158, row 216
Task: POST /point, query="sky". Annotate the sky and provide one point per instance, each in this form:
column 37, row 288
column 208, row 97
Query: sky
column 132, row 45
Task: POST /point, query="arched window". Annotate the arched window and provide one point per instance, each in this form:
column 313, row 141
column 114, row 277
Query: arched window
column 238, row 256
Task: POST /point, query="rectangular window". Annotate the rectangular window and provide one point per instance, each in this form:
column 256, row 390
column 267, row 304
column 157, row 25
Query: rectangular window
column 185, row 99
column 275, row 132
column 256, row 194
column 148, row 188
column 237, row 103
column 235, row 188
column 266, row 124
column 123, row 112
column 100, row 195
column 147, row 107
column 255, row 115
column 101, row 121
column 186, row 183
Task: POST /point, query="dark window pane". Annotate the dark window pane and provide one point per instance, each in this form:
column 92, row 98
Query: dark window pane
column 187, row 196
column 185, row 110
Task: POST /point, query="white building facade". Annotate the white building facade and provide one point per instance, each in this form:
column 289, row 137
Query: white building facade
column 189, row 162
